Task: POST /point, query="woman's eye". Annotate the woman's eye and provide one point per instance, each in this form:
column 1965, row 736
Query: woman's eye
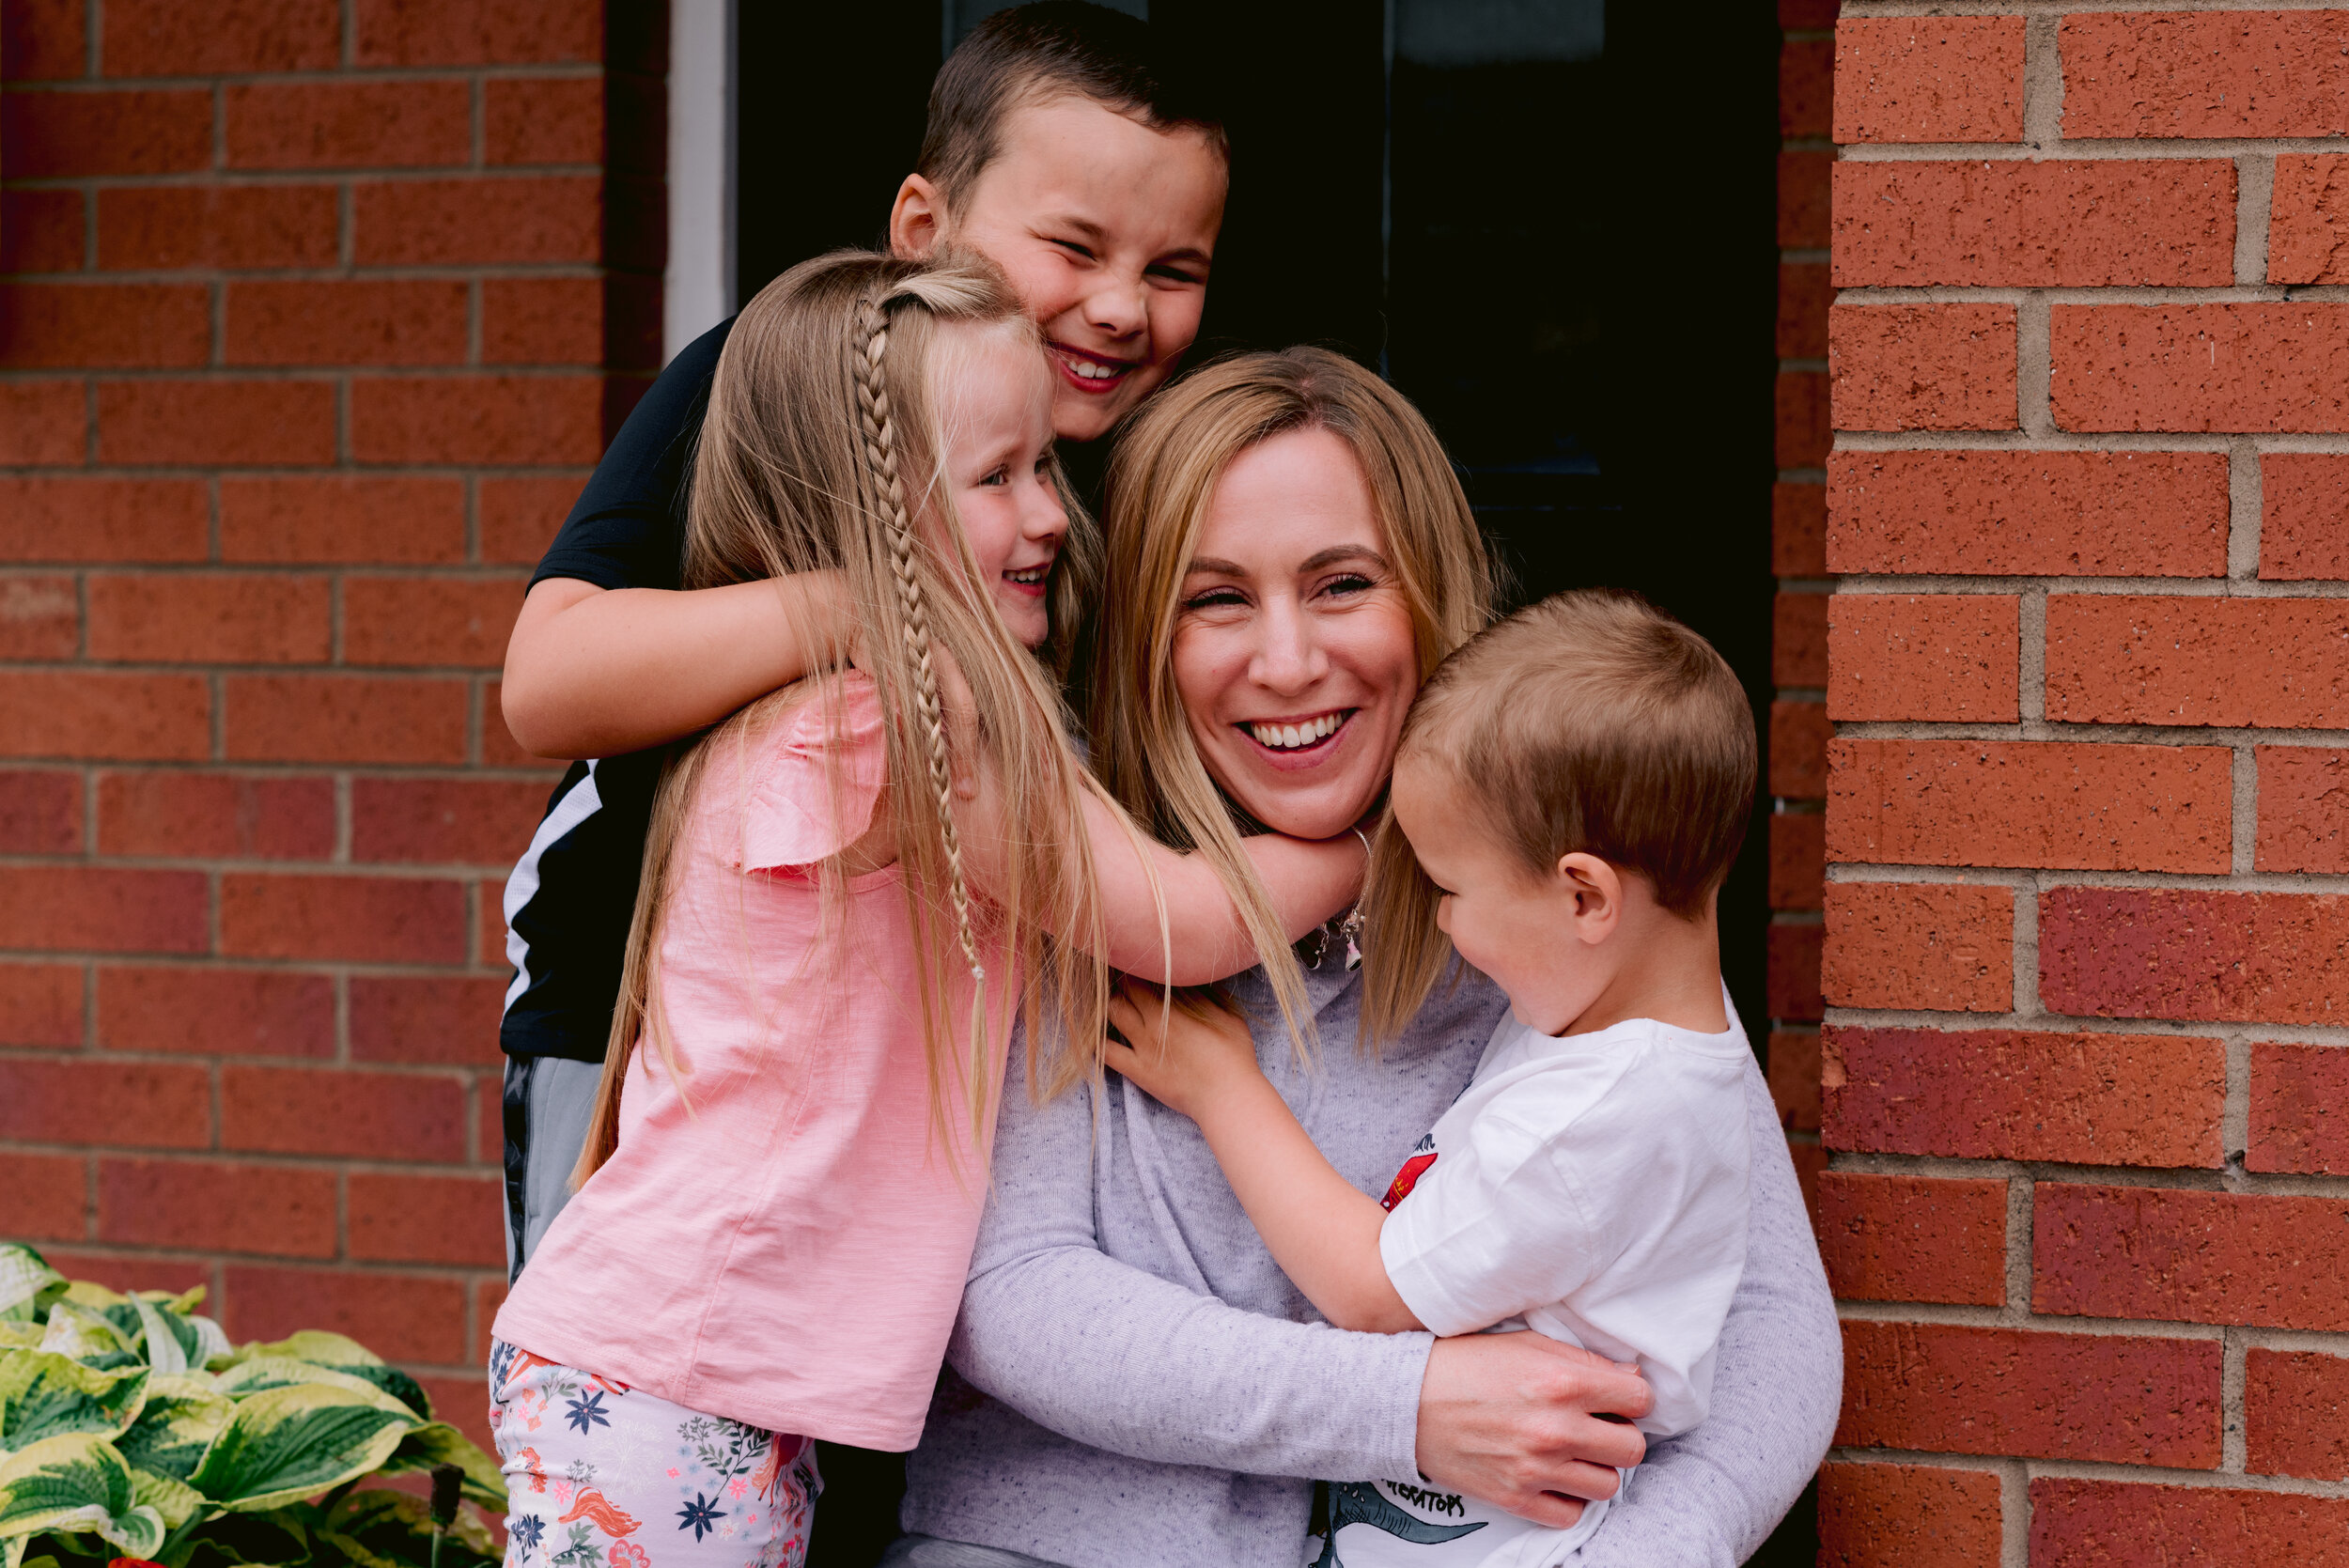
column 1214, row 599
column 1352, row 583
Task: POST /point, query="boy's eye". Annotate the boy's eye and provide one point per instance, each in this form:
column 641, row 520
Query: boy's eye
column 1176, row 275
column 1075, row 248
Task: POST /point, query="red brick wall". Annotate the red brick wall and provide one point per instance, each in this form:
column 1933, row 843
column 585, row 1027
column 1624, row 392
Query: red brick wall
column 313, row 315
column 2084, row 1070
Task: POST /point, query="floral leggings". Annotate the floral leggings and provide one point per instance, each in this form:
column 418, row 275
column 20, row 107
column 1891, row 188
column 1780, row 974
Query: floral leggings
column 600, row 1475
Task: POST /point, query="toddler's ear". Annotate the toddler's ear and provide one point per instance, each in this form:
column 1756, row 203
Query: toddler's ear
column 1597, row 889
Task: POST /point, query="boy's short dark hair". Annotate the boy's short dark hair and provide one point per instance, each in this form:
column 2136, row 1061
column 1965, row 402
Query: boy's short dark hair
column 1055, row 48
column 1593, row 721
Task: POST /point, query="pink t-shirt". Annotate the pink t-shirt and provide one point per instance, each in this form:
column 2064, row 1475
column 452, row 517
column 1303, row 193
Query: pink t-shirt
column 789, row 1252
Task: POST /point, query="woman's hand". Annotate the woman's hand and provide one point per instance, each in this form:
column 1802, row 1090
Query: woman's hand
column 1186, row 1057
column 1519, row 1421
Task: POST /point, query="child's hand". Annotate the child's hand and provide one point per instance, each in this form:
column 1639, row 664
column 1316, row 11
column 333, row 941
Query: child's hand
column 1185, row 1057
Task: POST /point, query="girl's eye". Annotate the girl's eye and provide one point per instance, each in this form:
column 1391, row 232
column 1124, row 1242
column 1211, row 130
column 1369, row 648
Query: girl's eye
column 1000, row 476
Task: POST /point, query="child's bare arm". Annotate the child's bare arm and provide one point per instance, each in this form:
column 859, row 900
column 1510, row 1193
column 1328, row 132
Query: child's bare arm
column 597, row 674
column 1323, row 1234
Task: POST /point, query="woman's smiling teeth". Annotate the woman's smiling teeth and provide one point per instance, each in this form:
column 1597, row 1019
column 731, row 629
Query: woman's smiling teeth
column 1305, row 732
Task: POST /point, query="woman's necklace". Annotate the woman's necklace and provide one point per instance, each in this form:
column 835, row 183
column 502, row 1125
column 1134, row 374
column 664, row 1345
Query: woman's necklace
column 1350, row 926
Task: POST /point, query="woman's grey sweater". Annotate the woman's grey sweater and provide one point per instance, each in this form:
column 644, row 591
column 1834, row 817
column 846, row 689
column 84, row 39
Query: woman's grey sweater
column 1140, row 1384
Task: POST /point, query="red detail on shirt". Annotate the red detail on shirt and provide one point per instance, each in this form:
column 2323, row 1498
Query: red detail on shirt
column 1406, row 1179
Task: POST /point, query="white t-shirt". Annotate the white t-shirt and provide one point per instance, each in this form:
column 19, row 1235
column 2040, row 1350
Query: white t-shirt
column 1592, row 1187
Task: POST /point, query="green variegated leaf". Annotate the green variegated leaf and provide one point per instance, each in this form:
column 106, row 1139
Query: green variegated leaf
column 18, row 1333
column 27, row 1283
column 289, row 1443
column 181, row 1417
column 84, row 1334
column 394, row 1528
column 43, row 1394
column 247, row 1378
column 345, row 1355
column 166, row 1354
column 74, row 1483
column 442, row 1444
column 212, row 1348
column 173, row 1500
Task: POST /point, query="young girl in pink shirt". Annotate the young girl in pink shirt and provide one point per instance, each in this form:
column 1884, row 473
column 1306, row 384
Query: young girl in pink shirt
column 852, row 890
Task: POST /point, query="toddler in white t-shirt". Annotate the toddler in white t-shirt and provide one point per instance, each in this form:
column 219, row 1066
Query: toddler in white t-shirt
column 1569, row 791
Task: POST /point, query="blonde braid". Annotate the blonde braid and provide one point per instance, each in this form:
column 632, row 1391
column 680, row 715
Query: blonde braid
column 870, row 341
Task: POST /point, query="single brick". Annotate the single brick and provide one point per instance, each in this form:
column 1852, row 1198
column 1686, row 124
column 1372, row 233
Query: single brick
column 505, row 218
column 2260, row 1259
column 2069, row 224
column 1810, row 1162
column 544, row 321
column 1799, row 530
column 435, row 1021
column 400, row 1317
column 154, row 1105
column 1804, row 294
column 477, row 419
column 1806, row 87
column 2307, row 227
column 463, row 1403
column 444, row 821
column 1923, row 366
column 337, row 718
column 207, row 1011
column 44, row 40
column 41, row 617
column 2125, row 1401
column 463, row 33
column 40, row 811
column 2278, row 664
column 43, row 1197
column 543, row 120
column 40, row 422
column 2004, row 1094
column 392, row 521
column 207, row 423
column 169, row 38
column 104, row 326
column 1804, row 198
column 40, row 231
column 1929, row 78
column 2232, row 74
column 1798, row 639
column 338, row 125
column 1799, row 732
column 2251, row 367
column 1795, row 15
column 72, row 135
column 1795, row 1079
column 439, row 621
column 2303, row 809
column 340, row 1111
column 93, row 716
column 489, row 921
column 2030, row 803
column 2295, row 1413
column 2143, row 953
column 2294, row 1092
column 1906, row 945
column 1804, row 432
column 488, row 1294
column 164, row 226
column 489, row 1127
column 1913, row 1238
column 365, row 321
column 209, row 618
column 1797, row 859
column 518, row 517
column 1946, row 656
column 65, row 909
column 2304, row 516
column 215, row 1206
column 41, row 1004
column 429, row 1219
column 216, row 816
column 1790, row 979
column 375, row 919
column 2055, row 514
column 2107, row 1524
column 87, row 521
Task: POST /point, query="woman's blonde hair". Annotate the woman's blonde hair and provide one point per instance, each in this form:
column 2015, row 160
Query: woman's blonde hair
column 1164, row 474
column 821, row 451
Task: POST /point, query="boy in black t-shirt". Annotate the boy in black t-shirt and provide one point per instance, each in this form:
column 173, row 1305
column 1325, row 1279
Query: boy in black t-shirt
column 1057, row 148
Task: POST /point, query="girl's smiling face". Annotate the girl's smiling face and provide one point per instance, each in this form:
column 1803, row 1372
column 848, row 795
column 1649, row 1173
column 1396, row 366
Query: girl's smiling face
column 1294, row 651
column 994, row 405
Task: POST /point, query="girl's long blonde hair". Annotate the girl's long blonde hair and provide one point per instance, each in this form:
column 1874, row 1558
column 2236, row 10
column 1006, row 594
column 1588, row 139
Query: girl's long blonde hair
column 1164, row 473
column 821, row 451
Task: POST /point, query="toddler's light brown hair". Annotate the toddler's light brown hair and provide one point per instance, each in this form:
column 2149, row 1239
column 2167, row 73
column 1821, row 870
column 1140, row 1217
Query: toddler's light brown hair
column 1590, row 722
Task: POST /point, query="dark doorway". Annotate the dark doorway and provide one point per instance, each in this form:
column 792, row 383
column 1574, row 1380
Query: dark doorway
column 1550, row 223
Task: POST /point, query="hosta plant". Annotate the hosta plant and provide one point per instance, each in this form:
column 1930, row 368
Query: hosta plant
column 130, row 1427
